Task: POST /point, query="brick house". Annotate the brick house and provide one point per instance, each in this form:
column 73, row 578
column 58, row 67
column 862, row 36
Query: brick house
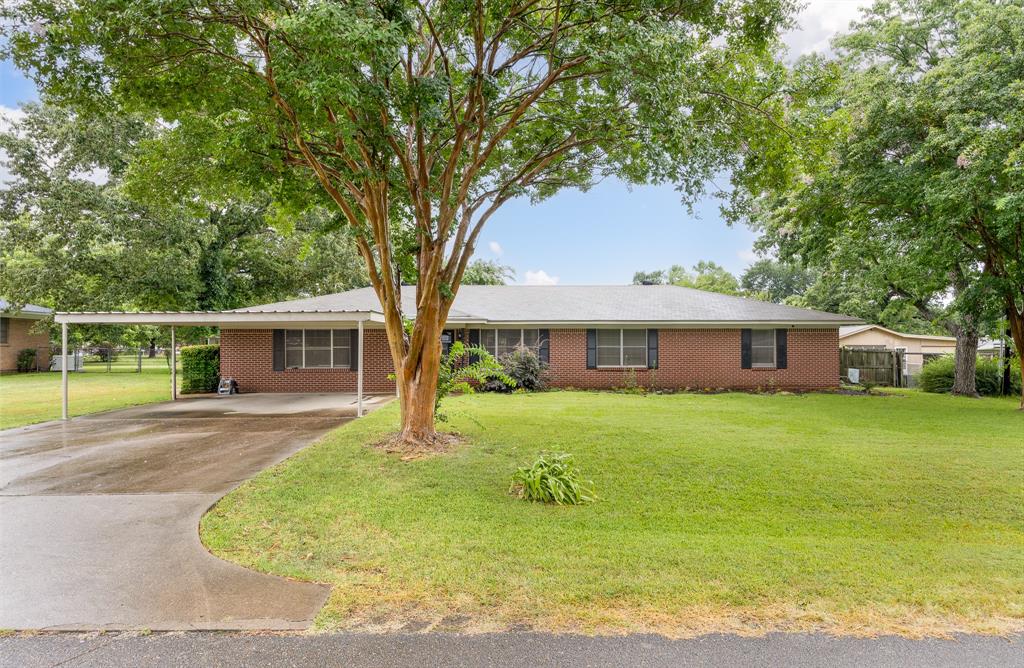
column 18, row 331
column 591, row 337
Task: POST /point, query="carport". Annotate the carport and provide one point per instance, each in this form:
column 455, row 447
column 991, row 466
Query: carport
column 222, row 319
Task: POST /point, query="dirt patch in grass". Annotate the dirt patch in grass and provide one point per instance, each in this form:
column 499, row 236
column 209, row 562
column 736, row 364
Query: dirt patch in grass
column 456, row 617
column 441, row 443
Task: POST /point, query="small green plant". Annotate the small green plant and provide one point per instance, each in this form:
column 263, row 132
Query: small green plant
column 462, row 369
column 553, row 478
column 26, row 359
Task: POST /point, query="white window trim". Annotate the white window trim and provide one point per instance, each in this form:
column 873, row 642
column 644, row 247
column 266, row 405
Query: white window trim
column 332, row 366
column 775, row 350
column 522, row 337
column 620, row 365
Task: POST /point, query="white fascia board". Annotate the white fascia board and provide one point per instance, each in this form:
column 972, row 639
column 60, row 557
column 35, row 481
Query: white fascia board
column 212, row 318
column 22, row 315
column 667, row 324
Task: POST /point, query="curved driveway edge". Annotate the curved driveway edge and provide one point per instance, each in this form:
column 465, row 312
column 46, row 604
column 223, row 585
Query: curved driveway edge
column 99, row 516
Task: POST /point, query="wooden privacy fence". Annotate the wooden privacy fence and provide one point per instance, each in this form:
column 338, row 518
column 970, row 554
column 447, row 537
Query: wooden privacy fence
column 878, row 366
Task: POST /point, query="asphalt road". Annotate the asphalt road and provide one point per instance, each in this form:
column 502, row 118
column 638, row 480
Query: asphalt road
column 501, row 649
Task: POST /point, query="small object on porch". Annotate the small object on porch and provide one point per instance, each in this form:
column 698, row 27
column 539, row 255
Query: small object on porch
column 227, row 386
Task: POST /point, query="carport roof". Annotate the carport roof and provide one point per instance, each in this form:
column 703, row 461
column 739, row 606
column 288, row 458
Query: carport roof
column 216, row 318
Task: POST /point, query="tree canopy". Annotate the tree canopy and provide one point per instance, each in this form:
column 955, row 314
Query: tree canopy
column 913, row 181
column 487, row 272
column 418, row 119
column 76, row 237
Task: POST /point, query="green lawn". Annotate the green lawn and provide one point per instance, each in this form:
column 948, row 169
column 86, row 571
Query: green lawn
column 27, row 398
column 728, row 512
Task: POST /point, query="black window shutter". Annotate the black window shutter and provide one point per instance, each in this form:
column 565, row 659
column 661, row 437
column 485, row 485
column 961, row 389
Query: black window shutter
column 745, row 348
column 353, row 351
column 591, row 348
column 652, row 349
column 474, row 342
column 544, row 345
column 780, row 349
column 278, row 350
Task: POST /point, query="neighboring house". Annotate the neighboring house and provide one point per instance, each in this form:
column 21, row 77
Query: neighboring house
column 18, row 331
column 591, row 337
column 919, row 348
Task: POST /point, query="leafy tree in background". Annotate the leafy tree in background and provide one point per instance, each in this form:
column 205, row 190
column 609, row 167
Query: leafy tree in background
column 775, row 281
column 914, row 182
column 418, row 120
column 75, row 238
column 487, row 272
column 706, row 275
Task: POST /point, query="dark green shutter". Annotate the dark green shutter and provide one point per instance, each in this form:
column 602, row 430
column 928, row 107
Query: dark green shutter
column 780, row 349
column 474, row 342
column 591, row 348
column 652, row 349
column 278, row 350
column 544, row 345
column 745, row 348
column 353, row 352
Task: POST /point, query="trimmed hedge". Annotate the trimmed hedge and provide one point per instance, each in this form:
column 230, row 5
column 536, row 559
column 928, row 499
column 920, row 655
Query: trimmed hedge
column 200, row 369
column 937, row 376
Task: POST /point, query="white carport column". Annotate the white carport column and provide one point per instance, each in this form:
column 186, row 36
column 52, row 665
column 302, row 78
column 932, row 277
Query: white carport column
column 359, row 372
column 64, row 371
column 174, row 367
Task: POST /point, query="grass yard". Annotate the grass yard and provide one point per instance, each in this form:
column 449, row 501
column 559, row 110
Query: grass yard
column 731, row 512
column 27, row 398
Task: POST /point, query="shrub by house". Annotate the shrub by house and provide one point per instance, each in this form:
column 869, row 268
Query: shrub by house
column 200, row 368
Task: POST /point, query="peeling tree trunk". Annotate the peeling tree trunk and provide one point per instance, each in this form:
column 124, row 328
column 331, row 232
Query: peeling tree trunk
column 965, row 373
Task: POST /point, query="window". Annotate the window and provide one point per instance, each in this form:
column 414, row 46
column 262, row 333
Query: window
column 762, row 348
column 5, row 324
column 317, row 348
column 500, row 342
column 621, row 347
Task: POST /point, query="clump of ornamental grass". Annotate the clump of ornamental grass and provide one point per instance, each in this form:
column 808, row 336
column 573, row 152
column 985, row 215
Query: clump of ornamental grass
column 553, row 478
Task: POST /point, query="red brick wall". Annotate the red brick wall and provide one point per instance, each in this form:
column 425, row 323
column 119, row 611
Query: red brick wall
column 21, row 334
column 703, row 358
column 247, row 355
column 687, row 358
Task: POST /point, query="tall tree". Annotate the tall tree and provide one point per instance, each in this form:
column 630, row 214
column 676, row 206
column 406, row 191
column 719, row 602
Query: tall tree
column 916, row 176
column 74, row 237
column 418, row 119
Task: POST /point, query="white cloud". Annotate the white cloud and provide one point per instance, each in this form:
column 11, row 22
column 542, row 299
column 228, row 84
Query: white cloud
column 540, row 277
column 819, row 22
column 496, row 248
column 747, row 255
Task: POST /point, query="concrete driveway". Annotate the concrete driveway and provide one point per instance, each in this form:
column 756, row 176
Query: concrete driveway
column 99, row 515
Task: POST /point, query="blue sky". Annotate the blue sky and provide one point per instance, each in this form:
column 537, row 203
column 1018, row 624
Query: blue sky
column 604, row 235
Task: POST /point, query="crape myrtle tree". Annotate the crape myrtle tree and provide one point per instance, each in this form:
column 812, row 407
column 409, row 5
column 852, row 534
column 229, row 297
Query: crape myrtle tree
column 917, row 175
column 418, row 119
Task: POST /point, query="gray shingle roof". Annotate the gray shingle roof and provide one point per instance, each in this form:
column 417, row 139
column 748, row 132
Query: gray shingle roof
column 578, row 304
column 27, row 309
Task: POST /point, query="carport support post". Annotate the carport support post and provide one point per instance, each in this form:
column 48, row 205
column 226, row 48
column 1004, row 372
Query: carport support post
column 174, row 367
column 359, row 373
column 64, row 370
